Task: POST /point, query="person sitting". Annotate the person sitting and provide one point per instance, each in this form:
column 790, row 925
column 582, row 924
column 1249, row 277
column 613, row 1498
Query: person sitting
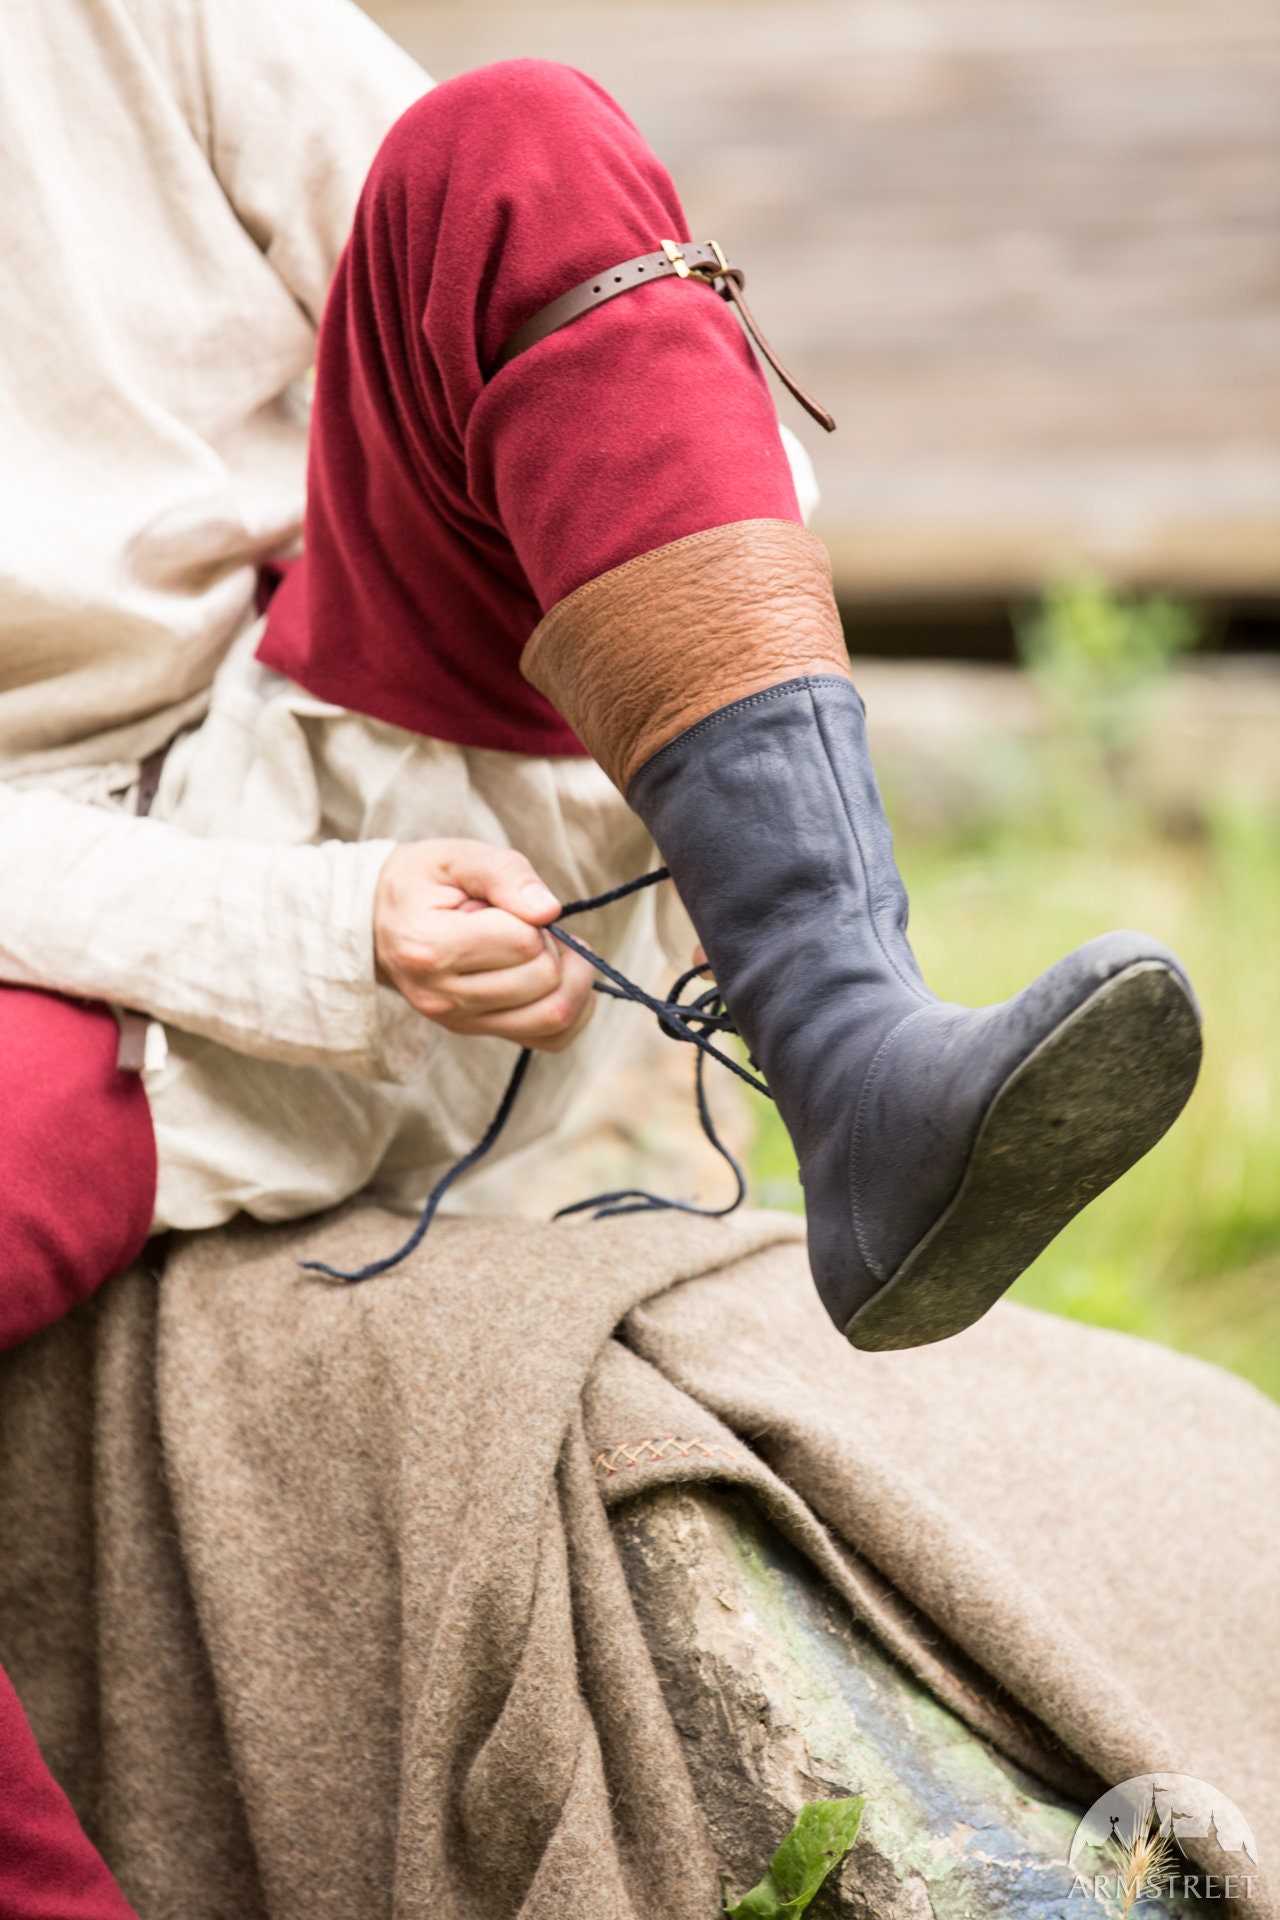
column 556, row 616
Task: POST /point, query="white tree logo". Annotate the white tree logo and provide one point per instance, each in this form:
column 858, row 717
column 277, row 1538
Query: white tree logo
column 1176, row 1807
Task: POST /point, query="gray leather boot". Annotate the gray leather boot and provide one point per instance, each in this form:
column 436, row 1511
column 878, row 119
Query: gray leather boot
column 940, row 1147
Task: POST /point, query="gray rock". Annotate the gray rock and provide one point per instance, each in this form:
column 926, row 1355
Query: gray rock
column 781, row 1697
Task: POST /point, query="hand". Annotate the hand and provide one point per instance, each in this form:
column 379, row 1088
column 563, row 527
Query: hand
column 458, row 930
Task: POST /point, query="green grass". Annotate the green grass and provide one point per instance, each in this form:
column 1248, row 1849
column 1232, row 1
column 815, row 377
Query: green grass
column 1186, row 1248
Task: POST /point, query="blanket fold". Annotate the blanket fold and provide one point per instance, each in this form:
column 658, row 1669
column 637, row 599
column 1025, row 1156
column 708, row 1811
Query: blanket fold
column 312, row 1596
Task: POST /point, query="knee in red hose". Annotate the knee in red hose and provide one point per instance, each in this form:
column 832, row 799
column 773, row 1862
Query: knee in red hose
column 533, row 110
column 495, row 192
column 449, row 507
column 521, row 91
column 77, row 1159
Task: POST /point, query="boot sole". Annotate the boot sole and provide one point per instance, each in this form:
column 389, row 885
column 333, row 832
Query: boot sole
column 1092, row 1098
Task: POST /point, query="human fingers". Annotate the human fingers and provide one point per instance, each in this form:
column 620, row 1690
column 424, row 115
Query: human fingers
column 499, row 875
column 492, row 990
column 549, row 1024
column 439, row 947
column 431, row 914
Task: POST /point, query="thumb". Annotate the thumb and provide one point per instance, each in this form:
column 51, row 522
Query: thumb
column 502, row 877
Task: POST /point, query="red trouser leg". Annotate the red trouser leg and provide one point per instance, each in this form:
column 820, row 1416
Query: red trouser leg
column 448, row 509
column 77, row 1159
column 48, row 1869
column 77, row 1188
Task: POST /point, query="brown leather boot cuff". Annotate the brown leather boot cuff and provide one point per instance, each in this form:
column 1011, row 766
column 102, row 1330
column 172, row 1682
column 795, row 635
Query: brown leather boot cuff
column 637, row 655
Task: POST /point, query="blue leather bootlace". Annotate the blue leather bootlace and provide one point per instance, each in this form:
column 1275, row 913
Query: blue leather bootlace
column 687, row 1020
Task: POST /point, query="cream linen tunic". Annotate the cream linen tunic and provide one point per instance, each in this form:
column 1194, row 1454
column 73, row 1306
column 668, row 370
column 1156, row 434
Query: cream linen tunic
column 177, row 178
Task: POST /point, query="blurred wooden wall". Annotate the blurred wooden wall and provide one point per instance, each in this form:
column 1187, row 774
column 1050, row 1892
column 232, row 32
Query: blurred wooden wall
column 1027, row 250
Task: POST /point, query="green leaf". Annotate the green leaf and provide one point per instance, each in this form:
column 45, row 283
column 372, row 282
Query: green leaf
column 823, row 1833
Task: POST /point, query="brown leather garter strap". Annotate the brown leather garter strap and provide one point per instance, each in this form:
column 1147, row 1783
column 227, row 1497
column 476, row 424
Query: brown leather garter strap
column 702, row 265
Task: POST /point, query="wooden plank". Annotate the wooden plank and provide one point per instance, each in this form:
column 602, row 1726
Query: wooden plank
column 1027, row 250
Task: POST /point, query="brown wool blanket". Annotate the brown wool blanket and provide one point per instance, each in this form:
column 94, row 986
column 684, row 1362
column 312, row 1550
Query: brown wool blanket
column 312, row 1597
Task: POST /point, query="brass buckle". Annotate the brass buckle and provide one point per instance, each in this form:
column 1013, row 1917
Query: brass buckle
column 676, row 258
column 688, row 272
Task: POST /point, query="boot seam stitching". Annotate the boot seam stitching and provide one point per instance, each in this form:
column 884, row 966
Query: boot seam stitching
column 785, row 690
column 913, row 986
column 859, row 1119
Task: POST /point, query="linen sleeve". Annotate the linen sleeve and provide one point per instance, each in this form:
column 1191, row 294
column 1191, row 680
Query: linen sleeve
column 290, row 100
column 267, row 949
